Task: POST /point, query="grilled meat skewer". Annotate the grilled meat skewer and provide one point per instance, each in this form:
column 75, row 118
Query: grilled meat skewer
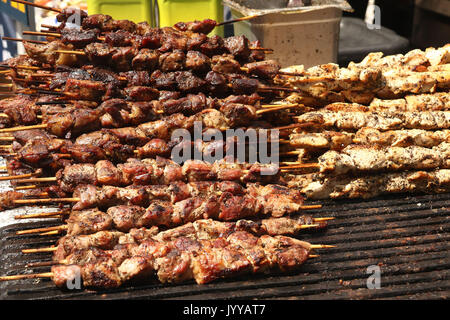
column 357, row 158
column 352, row 121
column 334, row 187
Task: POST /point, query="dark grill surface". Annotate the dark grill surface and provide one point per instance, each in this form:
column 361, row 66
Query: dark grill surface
column 408, row 237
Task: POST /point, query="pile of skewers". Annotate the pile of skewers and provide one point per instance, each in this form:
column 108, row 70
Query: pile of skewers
column 89, row 129
column 384, row 126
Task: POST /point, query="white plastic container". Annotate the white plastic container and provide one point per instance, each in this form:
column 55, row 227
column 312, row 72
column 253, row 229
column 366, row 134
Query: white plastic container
column 308, row 35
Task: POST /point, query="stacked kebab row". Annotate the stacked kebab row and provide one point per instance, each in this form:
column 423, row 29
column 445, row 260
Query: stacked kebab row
column 91, row 127
column 387, row 129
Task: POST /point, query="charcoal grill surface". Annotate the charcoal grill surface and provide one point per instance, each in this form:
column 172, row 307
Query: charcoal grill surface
column 407, row 237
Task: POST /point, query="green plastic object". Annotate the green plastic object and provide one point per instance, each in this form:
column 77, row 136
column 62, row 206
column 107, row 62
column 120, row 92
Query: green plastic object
column 174, row 11
column 134, row 10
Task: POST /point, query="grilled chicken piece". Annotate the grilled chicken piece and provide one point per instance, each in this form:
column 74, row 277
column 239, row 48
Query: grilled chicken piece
column 426, row 120
column 370, row 186
column 356, row 158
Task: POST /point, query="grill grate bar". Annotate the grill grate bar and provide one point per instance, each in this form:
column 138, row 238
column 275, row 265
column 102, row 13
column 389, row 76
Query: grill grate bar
column 407, row 236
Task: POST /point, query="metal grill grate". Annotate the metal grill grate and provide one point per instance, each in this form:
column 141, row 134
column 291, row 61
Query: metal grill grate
column 408, row 237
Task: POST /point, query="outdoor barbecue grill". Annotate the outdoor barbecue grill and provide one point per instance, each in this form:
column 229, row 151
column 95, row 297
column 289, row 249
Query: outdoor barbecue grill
column 407, row 237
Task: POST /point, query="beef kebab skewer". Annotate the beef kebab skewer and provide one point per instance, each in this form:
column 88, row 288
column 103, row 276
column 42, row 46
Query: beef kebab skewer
column 200, row 229
column 205, row 26
column 230, row 116
column 114, row 113
column 237, row 254
column 150, row 171
column 224, row 202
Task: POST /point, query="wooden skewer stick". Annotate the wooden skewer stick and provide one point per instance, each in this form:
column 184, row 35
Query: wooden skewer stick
column 311, row 207
column 237, row 20
column 45, row 34
column 41, row 215
column 48, row 200
column 7, row 85
column 23, row 40
column 303, row 166
column 275, row 109
column 50, row 233
column 31, row 231
column 46, row 264
column 23, row 128
column 323, row 219
column 27, row 276
column 49, row 249
column 37, row 180
column 81, row 53
column 37, row 5
column 22, row 176
column 19, row 67
column 321, row 246
column 26, row 188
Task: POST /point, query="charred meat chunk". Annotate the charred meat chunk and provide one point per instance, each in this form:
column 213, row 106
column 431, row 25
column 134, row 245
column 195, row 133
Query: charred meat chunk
column 146, row 59
column 197, row 62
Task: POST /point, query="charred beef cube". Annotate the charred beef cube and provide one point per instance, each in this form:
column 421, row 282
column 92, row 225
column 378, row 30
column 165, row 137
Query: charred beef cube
column 217, row 83
column 164, row 81
column 143, row 27
column 239, row 114
column 86, row 153
column 66, row 125
column 120, row 38
column 172, row 39
column 195, row 41
column 68, row 13
column 35, row 153
column 123, row 57
column 46, row 53
column 242, row 99
column 125, row 25
column 151, row 39
column 197, row 62
column 86, row 120
column 104, row 75
column 242, row 84
column 213, row 46
column 172, row 61
column 154, row 148
column 165, row 95
column 138, row 78
column 130, row 136
column 257, row 55
column 189, row 105
column 205, row 26
column 60, row 78
column 22, row 114
column 139, row 93
column 264, row 69
column 225, row 64
column 100, row 53
column 79, row 38
column 75, row 175
column 98, row 21
column 85, row 89
column 146, row 59
column 238, row 46
column 187, row 82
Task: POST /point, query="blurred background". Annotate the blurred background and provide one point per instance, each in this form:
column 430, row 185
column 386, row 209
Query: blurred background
column 305, row 32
